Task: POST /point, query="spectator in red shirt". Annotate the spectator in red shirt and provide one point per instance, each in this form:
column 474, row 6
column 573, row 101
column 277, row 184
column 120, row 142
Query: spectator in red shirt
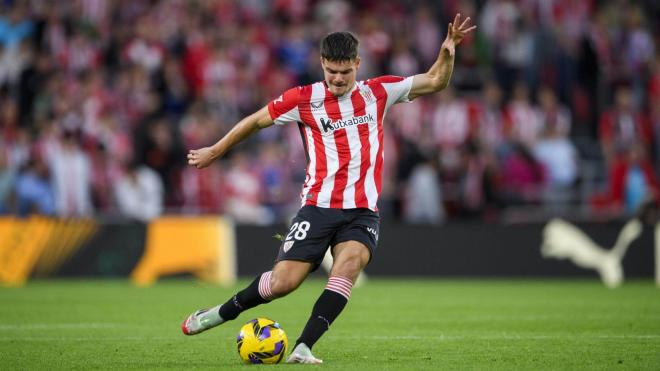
column 623, row 125
column 631, row 182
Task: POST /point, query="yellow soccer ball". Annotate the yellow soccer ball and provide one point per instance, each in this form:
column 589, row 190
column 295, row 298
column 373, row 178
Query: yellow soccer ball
column 262, row 340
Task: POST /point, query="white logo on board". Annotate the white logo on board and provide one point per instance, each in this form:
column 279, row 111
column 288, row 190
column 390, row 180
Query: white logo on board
column 563, row 240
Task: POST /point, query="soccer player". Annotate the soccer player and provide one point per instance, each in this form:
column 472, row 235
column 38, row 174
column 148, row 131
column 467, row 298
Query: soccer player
column 341, row 123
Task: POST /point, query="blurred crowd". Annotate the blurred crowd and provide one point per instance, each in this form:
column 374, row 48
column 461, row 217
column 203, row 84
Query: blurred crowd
column 554, row 106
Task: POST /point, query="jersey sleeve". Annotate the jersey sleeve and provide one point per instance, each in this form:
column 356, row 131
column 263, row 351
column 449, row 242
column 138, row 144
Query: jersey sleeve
column 397, row 88
column 284, row 109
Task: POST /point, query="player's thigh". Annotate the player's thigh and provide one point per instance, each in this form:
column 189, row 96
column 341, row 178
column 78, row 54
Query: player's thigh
column 364, row 228
column 350, row 257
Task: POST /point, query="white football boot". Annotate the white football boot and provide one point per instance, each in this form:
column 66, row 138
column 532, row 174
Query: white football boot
column 302, row 354
column 201, row 320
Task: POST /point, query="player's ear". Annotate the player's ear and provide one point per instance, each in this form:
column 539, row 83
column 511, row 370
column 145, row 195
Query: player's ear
column 357, row 63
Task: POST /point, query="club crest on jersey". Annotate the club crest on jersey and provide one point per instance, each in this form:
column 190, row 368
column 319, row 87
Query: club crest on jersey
column 287, row 245
column 329, row 125
column 367, row 95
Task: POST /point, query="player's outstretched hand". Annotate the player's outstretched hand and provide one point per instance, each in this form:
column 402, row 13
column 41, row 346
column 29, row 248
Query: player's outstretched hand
column 456, row 32
column 200, row 158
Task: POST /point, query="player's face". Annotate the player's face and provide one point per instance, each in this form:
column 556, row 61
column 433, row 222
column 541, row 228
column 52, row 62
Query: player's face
column 340, row 76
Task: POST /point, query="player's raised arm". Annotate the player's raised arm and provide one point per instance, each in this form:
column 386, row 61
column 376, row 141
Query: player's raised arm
column 201, row 158
column 437, row 77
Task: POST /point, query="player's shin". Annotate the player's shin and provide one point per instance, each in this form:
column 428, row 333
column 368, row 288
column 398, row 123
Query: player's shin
column 326, row 309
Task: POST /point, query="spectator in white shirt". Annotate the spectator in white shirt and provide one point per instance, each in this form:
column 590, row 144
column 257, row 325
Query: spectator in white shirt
column 139, row 193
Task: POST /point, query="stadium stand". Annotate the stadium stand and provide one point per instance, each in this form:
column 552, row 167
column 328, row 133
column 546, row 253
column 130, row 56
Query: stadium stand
column 548, row 99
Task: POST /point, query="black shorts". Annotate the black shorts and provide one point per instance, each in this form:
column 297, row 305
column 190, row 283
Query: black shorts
column 315, row 229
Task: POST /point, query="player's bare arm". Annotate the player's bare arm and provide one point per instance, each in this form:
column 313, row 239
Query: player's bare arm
column 437, row 77
column 201, row 158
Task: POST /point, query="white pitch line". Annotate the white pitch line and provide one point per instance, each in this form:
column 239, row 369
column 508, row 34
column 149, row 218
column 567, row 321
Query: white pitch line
column 370, row 338
column 95, row 339
column 503, row 337
column 534, row 318
column 58, row 326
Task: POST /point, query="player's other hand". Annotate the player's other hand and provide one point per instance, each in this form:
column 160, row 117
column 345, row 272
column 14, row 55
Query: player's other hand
column 456, row 32
column 200, row 158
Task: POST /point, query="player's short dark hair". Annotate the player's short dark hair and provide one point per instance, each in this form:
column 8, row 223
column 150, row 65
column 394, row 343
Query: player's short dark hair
column 339, row 46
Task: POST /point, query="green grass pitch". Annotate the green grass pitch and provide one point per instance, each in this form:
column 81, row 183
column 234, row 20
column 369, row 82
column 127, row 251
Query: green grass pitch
column 389, row 324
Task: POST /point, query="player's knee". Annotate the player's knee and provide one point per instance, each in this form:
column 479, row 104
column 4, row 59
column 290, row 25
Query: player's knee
column 350, row 265
column 283, row 285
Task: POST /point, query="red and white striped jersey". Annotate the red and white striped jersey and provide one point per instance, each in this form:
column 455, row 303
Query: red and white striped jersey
column 343, row 138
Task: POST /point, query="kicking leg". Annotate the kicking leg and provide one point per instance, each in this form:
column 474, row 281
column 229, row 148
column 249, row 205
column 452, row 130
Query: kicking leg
column 350, row 258
column 285, row 277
